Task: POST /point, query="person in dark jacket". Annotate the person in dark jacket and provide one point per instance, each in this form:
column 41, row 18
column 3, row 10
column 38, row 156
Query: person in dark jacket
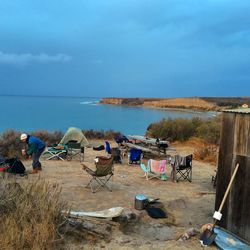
column 35, row 148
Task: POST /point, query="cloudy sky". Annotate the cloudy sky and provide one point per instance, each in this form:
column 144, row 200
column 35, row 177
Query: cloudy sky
column 125, row 48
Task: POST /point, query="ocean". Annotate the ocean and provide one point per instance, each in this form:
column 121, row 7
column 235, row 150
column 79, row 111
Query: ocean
column 31, row 113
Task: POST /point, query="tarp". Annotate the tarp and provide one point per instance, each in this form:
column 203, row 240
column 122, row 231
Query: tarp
column 228, row 241
column 75, row 134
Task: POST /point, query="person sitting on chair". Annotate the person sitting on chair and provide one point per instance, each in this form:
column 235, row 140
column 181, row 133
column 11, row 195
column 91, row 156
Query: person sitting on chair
column 35, row 148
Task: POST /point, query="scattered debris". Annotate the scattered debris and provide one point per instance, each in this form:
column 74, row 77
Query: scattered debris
column 188, row 234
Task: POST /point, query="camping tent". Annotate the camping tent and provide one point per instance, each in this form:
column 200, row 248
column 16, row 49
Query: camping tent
column 75, row 134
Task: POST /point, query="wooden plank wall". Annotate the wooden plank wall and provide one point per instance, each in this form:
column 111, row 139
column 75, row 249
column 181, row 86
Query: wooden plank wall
column 235, row 148
column 238, row 218
column 224, row 163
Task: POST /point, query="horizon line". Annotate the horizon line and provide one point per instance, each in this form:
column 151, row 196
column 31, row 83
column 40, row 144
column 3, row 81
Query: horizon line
column 60, row 96
column 63, row 96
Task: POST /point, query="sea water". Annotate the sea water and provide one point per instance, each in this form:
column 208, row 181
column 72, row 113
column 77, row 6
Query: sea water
column 31, row 113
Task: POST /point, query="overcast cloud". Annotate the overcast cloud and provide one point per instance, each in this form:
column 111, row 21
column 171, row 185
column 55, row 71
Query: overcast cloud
column 157, row 48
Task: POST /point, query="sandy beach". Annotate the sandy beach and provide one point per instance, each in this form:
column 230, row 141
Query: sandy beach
column 188, row 205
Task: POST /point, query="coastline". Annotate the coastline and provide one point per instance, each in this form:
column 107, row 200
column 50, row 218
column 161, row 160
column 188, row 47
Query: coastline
column 197, row 104
column 171, row 109
column 158, row 104
column 185, row 110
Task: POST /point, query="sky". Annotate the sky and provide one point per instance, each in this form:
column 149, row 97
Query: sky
column 125, row 48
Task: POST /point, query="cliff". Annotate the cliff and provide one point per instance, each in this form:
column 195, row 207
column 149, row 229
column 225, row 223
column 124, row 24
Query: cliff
column 196, row 103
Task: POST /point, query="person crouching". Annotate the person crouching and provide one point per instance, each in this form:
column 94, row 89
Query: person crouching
column 35, row 148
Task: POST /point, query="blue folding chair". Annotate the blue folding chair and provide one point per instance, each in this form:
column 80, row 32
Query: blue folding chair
column 135, row 156
column 107, row 147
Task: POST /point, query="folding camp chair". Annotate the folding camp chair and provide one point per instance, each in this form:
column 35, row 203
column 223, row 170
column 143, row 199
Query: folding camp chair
column 155, row 169
column 117, row 155
column 182, row 168
column 107, row 147
column 58, row 152
column 103, row 173
column 135, row 156
column 75, row 149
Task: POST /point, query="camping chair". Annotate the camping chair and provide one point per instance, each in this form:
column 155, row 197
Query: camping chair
column 58, row 152
column 135, row 156
column 107, row 147
column 155, row 169
column 117, row 155
column 103, row 173
column 182, row 168
column 75, row 149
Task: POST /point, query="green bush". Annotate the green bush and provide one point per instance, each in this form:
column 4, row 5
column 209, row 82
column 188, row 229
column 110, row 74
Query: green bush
column 209, row 131
column 183, row 129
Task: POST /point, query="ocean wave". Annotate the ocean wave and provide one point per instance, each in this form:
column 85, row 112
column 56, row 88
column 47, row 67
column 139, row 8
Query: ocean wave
column 89, row 103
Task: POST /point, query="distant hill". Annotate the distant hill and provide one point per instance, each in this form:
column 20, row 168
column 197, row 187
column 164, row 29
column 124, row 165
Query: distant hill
column 196, row 103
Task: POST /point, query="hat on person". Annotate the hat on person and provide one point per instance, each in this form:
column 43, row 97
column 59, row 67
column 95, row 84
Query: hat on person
column 23, row 136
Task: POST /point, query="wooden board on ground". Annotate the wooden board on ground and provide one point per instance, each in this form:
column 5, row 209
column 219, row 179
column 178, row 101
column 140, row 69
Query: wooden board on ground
column 108, row 213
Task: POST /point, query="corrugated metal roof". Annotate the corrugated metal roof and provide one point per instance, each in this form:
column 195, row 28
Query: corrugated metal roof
column 240, row 110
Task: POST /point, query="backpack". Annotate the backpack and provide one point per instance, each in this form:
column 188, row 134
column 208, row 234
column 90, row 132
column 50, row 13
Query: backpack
column 15, row 166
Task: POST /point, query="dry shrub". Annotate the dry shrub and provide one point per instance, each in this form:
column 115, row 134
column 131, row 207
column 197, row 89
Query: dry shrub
column 30, row 215
column 100, row 134
column 206, row 153
column 49, row 138
column 10, row 144
column 94, row 134
column 201, row 149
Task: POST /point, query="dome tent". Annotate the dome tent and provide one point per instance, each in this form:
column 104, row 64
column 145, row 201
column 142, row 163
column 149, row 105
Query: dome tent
column 75, row 134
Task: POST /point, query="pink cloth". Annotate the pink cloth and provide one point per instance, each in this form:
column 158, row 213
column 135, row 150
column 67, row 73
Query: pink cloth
column 158, row 166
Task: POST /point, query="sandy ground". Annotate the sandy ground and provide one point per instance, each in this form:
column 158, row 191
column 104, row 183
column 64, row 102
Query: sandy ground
column 187, row 204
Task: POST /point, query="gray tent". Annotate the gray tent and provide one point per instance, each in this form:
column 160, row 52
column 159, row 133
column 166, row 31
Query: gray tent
column 75, row 134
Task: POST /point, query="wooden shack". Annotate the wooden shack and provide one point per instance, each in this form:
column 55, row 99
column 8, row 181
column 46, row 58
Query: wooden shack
column 235, row 148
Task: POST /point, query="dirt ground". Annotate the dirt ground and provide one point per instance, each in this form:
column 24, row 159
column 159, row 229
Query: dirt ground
column 188, row 205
